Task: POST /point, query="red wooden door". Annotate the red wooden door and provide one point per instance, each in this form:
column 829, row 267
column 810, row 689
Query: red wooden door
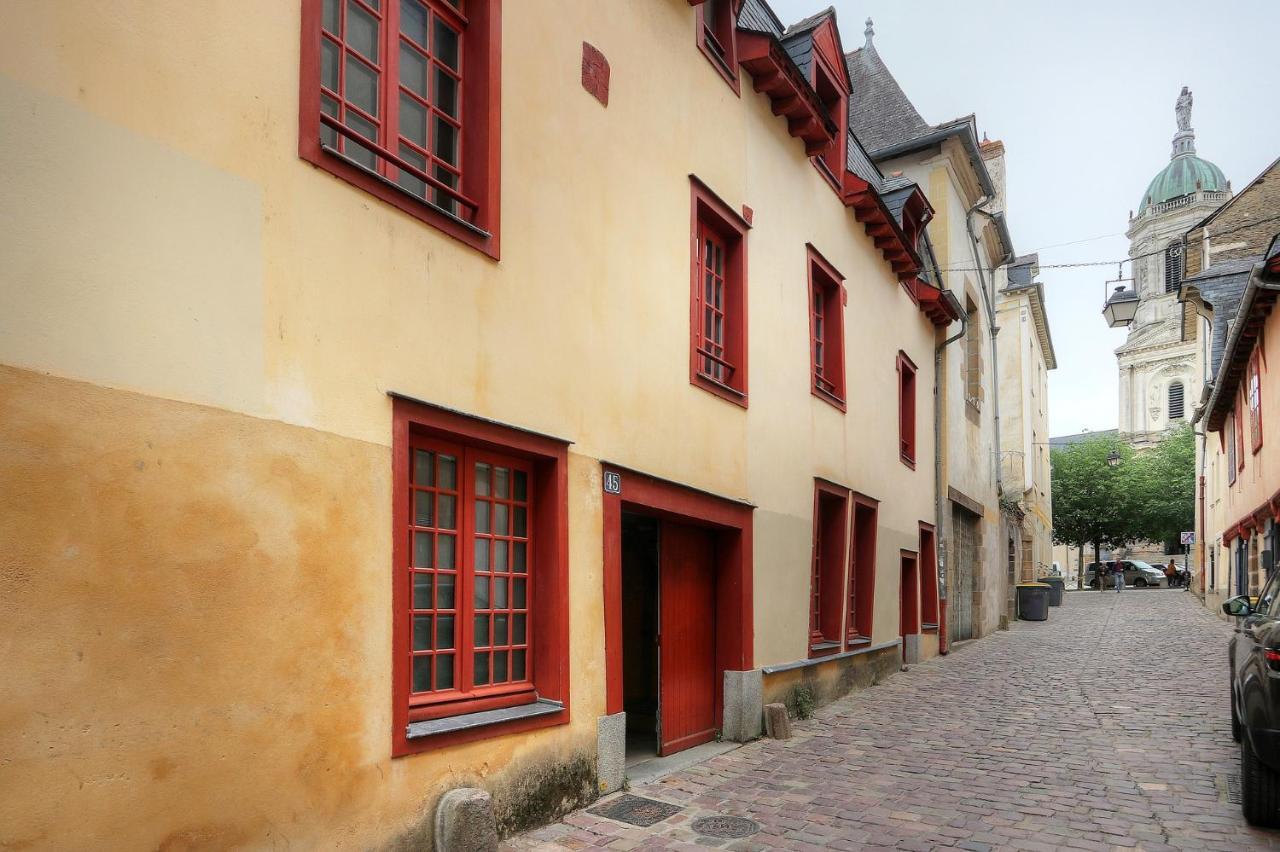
column 687, row 634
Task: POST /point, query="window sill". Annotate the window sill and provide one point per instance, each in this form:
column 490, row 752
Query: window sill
column 469, row 721
column 853, row 652
column 829, row 398
column 908, row 461
column 928, row 627
column 720, row 389
column 823, row 648
column 857, row 641
column 722, row 66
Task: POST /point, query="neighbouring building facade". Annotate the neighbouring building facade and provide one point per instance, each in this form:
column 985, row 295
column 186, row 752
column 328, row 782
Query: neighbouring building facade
column 397, row 397
column 967, row 241
column 1230, row 286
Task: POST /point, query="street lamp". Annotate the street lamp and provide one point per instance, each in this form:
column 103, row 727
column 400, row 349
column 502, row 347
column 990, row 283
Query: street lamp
column 1121, row 308
column 1113, row 458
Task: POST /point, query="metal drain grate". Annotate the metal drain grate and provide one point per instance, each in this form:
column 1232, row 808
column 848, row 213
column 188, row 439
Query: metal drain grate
column 636, row 810
column 725, row 826
column 1233, row 789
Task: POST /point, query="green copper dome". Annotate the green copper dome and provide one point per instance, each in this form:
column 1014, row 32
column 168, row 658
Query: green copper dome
column 1184, row 175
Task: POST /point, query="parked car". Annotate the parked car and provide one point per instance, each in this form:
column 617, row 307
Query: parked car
column 1254, row 657
column 1136, row 573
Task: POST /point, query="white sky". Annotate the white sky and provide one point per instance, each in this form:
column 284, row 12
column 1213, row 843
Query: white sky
column 1082, row 95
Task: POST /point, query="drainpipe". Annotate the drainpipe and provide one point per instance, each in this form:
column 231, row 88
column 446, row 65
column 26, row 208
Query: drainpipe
column 940, row 539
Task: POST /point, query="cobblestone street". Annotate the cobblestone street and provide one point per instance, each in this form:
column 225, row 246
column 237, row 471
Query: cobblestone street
column 1105, row 727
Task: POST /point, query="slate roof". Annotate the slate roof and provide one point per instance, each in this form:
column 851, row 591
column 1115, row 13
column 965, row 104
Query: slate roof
column 1022, row 270
column 1222, row 286
column 880, row 113
column 797, row 40
column 756, row 16
column 1079, row 437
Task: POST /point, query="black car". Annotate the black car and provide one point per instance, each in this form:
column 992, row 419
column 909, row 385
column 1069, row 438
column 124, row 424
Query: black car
column 1254, row 654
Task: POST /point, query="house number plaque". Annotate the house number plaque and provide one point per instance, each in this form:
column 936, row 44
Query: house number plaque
column 612, row 482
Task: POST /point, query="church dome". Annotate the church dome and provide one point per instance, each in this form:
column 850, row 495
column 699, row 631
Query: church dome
column 1185, row 174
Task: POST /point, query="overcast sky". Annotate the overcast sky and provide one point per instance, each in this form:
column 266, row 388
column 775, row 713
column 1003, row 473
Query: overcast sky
column 1082, row 95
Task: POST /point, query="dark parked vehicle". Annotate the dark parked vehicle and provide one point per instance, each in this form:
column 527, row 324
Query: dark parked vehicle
column 1254, row 654
column 1136, row 573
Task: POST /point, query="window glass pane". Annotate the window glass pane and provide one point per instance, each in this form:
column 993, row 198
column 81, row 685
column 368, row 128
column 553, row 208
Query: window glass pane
column 362, row 86
column 422, row 633
column 422, row 591
column 518, row 593
column 444, row 631
column 446, row 46
column 355, row 150
column 482, row 592
column 413, row 120
column 444, row 671
column 422, row 550
column 415, row 185
column 500, row 513
column 328, row 135
column 422, row 501
column 331, row 18
column 499, row 630
column 448, row 512
column 482, row 480
column 517, row 629
column 448, row 472
column 329, row 64
column 520, row 514
column 446, row 141
column 423, row 467
column 444, row 557
column 500, row 556
column 446, row 94
column 362, row 30
column 482, row 554
column 422, row 674
column 502, row 482
column 444, row 591
column 518, row 550
column 413, row 21
column 499, row 666
column 482, row 631
column 482, row 668
column 521, row 485
column 413, row 70
column 499, row 592
column 482, row 516
column 517, row 665
column 444, row 200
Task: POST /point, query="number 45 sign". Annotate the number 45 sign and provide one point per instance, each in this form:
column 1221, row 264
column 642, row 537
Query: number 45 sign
column 1188, row 538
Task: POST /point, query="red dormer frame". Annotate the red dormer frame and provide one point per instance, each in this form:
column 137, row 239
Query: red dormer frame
column 830, row 80
column 715, row 23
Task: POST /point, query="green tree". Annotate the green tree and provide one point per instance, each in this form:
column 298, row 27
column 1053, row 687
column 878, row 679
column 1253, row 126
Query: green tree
column 1164, row 487
column 1093, row 501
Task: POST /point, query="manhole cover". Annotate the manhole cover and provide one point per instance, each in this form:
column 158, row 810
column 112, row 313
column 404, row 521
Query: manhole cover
column 1233, row 789
column 725, row 826
column 636, row 810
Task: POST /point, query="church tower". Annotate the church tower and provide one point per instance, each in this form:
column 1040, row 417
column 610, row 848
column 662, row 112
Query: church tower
column 1159, row 383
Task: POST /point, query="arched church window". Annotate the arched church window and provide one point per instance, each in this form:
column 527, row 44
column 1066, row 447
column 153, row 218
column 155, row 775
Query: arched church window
column 1176, row 406
column 1173, row 267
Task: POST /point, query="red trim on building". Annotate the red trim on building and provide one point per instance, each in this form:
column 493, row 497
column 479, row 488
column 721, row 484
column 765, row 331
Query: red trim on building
column 718, row 296
column 732, row 524
column 827, row 577
column 546, row 460
column 775, row 75
column 826, row 329
column 907, row 410
column 718, row 39
column 929, row 609
column 862, row 569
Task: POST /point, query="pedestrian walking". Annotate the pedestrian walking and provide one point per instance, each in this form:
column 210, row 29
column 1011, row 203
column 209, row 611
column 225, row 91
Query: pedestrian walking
column 1171, row 571
column 1117, row 571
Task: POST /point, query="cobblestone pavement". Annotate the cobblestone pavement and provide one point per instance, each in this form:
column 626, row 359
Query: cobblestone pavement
column 1105, row 727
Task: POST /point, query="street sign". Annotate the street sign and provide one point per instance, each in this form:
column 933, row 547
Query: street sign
column 1188, row 538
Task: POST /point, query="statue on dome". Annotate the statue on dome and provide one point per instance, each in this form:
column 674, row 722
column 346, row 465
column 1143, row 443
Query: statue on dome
column 1183, row 109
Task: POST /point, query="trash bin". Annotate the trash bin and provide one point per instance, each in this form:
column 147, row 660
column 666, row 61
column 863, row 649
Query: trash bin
column 1057, row 588
column 1033, row 601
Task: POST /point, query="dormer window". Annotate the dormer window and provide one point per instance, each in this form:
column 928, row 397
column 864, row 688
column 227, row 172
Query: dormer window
column 834, row 99
column 716, row 37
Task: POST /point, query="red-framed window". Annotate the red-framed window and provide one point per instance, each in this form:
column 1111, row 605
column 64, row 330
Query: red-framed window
column 832, row 89
column 480, row 575
column 1229, row 434
column 826, row 581
column 906, row 410
column 718, row 314
column 717, row 30
column 1240, row 409
column 928, row 578
column 826, row 329
column 862, row 570
column 1254, row 391
column 401, row 98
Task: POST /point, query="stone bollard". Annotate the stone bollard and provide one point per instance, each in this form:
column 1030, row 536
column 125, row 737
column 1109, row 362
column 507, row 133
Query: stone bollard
column 465, row 822
column 777, row 724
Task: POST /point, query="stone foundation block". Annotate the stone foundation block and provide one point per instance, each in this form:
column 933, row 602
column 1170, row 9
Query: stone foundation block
column 611, row 752
column 743, row 705
column 777, row 723
column 911, row 649
column 465, row 822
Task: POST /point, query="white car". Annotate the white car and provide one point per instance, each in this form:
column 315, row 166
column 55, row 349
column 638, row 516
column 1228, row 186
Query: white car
column 1136, row 573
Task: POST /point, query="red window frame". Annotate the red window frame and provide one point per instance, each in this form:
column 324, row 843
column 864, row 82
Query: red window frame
column 1230, row 440
column 826, row 578
column 906, row 410
column 832, row 89
column 862, row 569
column 1240, row 409
column 718, row 303
column 453, row 186
column 826, row 329
column 1253, row 391
column 717, row 36
column 543, row 462
column 929, row 607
